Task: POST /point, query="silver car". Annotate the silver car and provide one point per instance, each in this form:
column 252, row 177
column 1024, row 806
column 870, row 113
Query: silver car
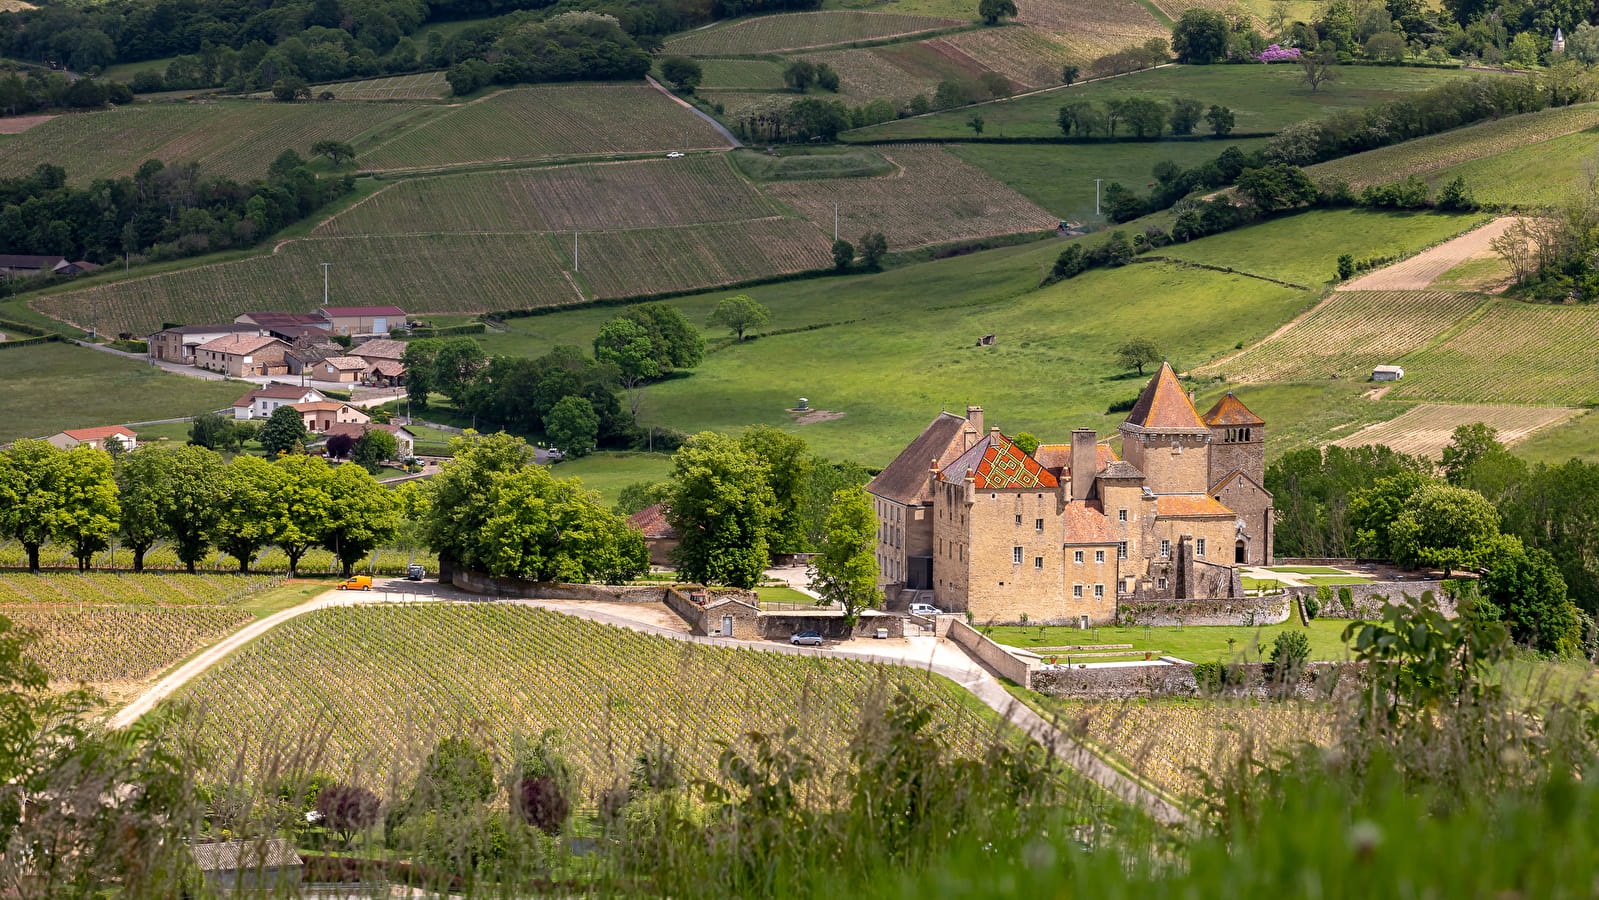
column 807, row 638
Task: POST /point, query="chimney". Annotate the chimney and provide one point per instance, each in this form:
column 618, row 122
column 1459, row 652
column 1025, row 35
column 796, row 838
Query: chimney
column 1085, row 461
column 968, row 436
column 974, row 415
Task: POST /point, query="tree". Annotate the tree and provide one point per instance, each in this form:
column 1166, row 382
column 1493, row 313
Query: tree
column 1200, row 36
column 337, row 152
column 1185, row 115
column 1026, row 442
column 1468, row 445
column 291, row 89
column 975, row 123
column 1220, row 119
column 1068, row 74
column 457, row 775
column 788, row 465
column 684, row 73
column 873, row 247
column 799, row 74
column 638, row 496
column 88, row 512
column 457, row 498
column 247, row 508
column 843, row 255
column 846, row 569
column 418, row 359
column 721, row 502
column 1276, row 187
column 215, row 432
column 30, row 494
column 1445, row 526
column 348, row 809
column 143, row 488
column 338, row 446
column 740, row 313
column 1373, row 511
column 1138, row 353
column 1526, row 587
column 991, row 11
column 626, row 345
column 304, row 508
column 826, row 78
column 572, row 426
column 374, row 448
column 674, row 341
column 545, row 529
column 542, row 785
column 362, row 516
column 1146, row 116
column 1319, row 67
column 191, row 509
column 284, row 431
column 1385, row 46
column 456, row 365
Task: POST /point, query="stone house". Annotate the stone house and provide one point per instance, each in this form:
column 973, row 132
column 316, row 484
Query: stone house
column 321, row 415
column 363, row 319
column 243, row 355
column 259, row 403
column 179, row 344
column 345, row 369
column 94, row 437
column 659, row 535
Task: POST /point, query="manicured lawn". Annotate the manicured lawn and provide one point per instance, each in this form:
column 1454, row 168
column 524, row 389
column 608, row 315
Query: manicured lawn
column 49, row 387
column 783, row 595
column 609, row 472
column 1306, row 570
column 1195, row 644
column 1262, row 98
column 1260, row 584
column 1337, row 579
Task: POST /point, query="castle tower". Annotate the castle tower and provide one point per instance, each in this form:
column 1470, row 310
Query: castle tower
column 1238, row 440
column 1558, row 45
column 1165, row 439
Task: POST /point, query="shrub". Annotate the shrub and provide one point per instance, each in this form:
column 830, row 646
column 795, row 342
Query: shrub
column 1289, row 653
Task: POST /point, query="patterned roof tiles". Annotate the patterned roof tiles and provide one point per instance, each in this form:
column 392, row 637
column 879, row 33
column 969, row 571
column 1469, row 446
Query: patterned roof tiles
column 994, row 463
column 1164, row 405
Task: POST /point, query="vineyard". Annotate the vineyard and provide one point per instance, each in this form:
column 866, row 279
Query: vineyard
column 868, row 73
column 741, row 73
column 1029, row 57
column 626, row 263
column 375, row 686
column 1452, row 148
column 142, row 589
column 916, row 206
column 1512, row 353
column 544, row 121
column 229, row 140
column 107, row 645
column 1171, row 744
column 1092, row 30
column 1346, row 335
column 219, row 584
column 433, row 273
column 637, row 194
column 797, row 31
column 421, row 86
column 1427, row 428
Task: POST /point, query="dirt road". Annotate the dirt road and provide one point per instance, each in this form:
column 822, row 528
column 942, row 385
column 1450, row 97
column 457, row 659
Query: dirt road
column 1420, row 271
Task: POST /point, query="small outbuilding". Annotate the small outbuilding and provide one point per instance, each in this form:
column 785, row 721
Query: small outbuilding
column 1387, row 373
column 267, row 865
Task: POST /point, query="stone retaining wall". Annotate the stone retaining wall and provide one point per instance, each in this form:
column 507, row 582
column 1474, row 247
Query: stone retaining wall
column 1320, row 681
column 503, row 586
column 1366, row 600
column 993, row 655
column 1247, row 611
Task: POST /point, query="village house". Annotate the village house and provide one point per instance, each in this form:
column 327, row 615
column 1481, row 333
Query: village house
column 382, row 357
column 659, row 535
column 259, row 403
column 15, row 265
column 308, row 353
column 178, row 344
column 346, row 369
column 972, row 523
column 403, row 437
column 363, row 319
column 243, row 355
column 95, row 437
column 321, row 415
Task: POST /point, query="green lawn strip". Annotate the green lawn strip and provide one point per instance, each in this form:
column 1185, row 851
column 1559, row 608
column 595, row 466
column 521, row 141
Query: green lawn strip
column 784, row 595
column 287, row 595
column 1337, row 579
column 1194, row 643
column 1261, row 584
column 1307, row 570
column 608, row 471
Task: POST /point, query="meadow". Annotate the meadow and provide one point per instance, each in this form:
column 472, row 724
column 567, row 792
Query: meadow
column 376, row 686
column 544, row 121
column 795, row 31
column 50, row 387
column 1546, row 173
column 1262, row 98
column 229, row 139
column 1577, row 438
column 1196, row 644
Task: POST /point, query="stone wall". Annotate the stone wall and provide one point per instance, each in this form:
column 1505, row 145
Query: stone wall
column 993, row 655
column 1320, row 681
column 502, row 586
column 704, row 621
column 1366, row 600
column 1248, row 611
column 782, row 626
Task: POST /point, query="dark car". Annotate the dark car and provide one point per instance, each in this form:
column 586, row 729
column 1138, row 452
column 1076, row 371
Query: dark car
column 810, row 638
column 414, row 572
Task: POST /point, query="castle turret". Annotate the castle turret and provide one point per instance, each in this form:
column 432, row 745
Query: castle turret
column 1165, row 439
column 1237, row 442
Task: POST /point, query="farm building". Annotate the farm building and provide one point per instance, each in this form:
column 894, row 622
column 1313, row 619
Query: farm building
column 178, row 344
column 659, row 534
column 95, row 437
column 259, row 865
column 24, row 266
column 259, row 403
column 347, row 369
column 241, row 355
column 1387, row 373
column 363, row 319
column 283, row 319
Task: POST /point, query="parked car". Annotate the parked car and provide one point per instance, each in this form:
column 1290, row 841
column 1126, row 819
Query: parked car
column 925, row 609
column 356, row 583
column 807, row 638
column 414, row 572
column 674, row 155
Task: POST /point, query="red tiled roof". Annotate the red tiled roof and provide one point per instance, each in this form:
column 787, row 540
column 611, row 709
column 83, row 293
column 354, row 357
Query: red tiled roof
column 356, row 429
column 1054, row 456
column 994, row 462
column 1086, row 523
column 388, row 368
column 321, row 406
column 345, row 362
column 239, row 344
column 1189, row 505
column 98, row 434
column 1164, row 404
column 652, row 521
column 359, row 312
column 1229, row 410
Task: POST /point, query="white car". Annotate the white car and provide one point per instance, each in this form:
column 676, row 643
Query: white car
column 674, row 155
column 925, row 609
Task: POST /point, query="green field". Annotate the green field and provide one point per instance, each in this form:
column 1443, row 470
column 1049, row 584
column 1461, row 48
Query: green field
column 1263, row 98
column 1547, row 173
column 760, row 74
column 229, row 139
column 609, row 472
column 1193, row 643
column 793, row 31
column 375, row 686
column 1307, row 413
column 51, row 387
column 1576, row 439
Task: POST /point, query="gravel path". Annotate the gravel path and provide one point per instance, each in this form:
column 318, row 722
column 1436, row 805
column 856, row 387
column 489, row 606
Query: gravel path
column 1419, row 272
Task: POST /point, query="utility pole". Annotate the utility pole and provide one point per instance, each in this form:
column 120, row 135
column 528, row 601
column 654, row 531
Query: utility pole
column 325, row 283
column 1096, row 196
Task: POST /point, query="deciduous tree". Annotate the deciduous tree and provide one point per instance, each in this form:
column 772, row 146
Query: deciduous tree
column 788, row 464
column 88, row 512
column 991, row 11
column 1200, row 36
column 626, row 345
column 373, row 449
column 247, row 511
column 144, row 489
column 362, row 516
column 843, row 255
column 684, row 73
column 191, row 513
column 1445, row 526
column 874, row 246
column 337, row 152
column 846, row 569
column 1220, row 119
column 304, row 508
column 1185, row 115
column 456, row 498
column 284, row 431
column 740, row 313
column 572, row 426
column 1526, row 587
column 1319, row 67
column 547, row 529
column 30, row 494
column 721, row 502
column 1138, row 353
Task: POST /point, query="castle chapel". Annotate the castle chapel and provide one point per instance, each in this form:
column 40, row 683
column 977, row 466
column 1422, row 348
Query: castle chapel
column 973, row 523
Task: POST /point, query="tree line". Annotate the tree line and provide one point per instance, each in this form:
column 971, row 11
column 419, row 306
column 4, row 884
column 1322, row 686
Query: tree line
column 1145, row 117
column 25, row 89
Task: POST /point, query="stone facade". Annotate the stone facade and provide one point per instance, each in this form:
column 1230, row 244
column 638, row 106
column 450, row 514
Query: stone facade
column 1061, row 534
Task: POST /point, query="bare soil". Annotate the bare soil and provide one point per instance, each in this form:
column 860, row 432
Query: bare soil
column 19, row 124
column 1420, row 271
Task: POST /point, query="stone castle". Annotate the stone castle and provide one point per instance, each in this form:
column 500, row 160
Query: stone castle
column 971, row 522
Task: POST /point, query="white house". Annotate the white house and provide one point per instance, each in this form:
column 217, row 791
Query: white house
column 259, row 403
column 1387, row 373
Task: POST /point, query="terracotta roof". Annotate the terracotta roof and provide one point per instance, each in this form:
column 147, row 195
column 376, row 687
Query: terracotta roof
column 284, row 318
column 1164, row 405
column 360, row 312
column 273, row 853
column 356, row 429
column 1086, row 523
column 905, row 479
column 229, row 328
column 380, row 349
column 1189, row 505
column 98, row 434
column 652, row 521
column 321, row 406
column 1120, row 469
column 346, row 362
column 1105, row 455
column 275, row 391
column 388, row 368
column 1229, row 410
column 239, row 344
column 1054, row 456
column 994, row 462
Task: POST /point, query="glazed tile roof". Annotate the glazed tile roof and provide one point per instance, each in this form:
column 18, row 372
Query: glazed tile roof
column 1086, row 523
column 1229, row 410
column 1164, row 405
column 994, row 462
column 652, row 521
column 1189, row 505
column 905, row 479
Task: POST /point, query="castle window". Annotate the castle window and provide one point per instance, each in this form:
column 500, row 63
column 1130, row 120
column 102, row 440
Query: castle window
column 1038, row 524
column 1077, row 591
column 1121, row 550
column 1161, row 584
column 1038, row 562
column 1199, row 546
column 1018, row 519
column 1077, row 557
column 1165, row 549
column 1016, row 555
column 1099, row 557
column 1121, row 515
column 1099, row 592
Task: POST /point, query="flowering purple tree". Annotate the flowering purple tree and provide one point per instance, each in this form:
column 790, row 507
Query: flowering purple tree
column 1278, row 53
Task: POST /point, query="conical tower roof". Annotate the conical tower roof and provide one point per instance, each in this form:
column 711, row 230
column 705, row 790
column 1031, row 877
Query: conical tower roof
column 1229, row 410
column 1164, row 405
